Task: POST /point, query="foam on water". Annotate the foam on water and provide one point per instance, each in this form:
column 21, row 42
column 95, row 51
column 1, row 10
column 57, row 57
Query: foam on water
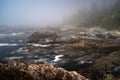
column 18, row 33
column 57, row 58
column 11, row 34
column 14, row 57
column 40, row 45
column 7, row 44
column 83, row 62
column 41, row 60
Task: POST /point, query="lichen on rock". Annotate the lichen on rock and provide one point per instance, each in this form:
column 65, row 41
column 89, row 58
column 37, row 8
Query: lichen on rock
column 16, row 70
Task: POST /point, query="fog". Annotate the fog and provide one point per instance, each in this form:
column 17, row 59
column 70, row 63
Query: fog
column 39, row 12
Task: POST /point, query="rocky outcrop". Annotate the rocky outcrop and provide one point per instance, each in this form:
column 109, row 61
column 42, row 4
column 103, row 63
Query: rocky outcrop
column 96, row 56
column 47, row 37
column 87, row 44
column 16, row 70
column 110, row 61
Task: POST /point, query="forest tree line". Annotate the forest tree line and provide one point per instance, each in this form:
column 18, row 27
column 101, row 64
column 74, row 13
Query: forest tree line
column 106, row 16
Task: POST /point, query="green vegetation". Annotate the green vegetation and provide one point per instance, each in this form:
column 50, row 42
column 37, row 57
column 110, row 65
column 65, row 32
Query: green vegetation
column 105, row 16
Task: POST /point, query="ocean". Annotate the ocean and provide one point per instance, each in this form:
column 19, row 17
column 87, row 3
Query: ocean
column 10, row 43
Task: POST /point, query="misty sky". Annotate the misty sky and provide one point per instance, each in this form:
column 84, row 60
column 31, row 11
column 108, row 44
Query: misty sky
column 39, row 12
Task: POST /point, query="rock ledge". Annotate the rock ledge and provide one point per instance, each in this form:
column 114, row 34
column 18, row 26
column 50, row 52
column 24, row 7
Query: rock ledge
column 16, row 70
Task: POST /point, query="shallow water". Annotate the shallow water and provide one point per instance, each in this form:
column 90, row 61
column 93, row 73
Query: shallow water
column 11, row 42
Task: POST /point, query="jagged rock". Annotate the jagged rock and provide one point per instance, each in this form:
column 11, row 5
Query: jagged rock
column 109, row 61
column 47, row 37
column 87, row 44
column 99, row 33
column 16, row 70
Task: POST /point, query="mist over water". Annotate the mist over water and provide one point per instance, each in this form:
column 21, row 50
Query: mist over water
column 77, row 35
column 36, row 13
column 41, row 13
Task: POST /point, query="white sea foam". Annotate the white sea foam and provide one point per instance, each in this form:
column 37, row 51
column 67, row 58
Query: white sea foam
column 56, row 44
column 36, row 56
column 41, row 60
column 18, row 33
column 40, row 45
column 1, row 35
column 7, row 44
column 11, row 34
column 12, row 58
column 72, row 36
column 95, row 31
column 12, row 52
column 83, row 62
column 22, row 49
column 57, row 58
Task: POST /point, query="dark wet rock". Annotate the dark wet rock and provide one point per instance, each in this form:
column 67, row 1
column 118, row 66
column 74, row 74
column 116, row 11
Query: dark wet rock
column 47, row 37
column 92, row 44
column 95, row 65
column 92, row 74
column 96, row 56
column 104, row 67
column 16, row 70
column 109, row 61
column 36, row 49
column 31, row 48
column 2, row 60
column 88, row 57
column 70, row 54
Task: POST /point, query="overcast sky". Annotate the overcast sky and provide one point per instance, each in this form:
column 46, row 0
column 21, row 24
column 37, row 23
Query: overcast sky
column 39, row 12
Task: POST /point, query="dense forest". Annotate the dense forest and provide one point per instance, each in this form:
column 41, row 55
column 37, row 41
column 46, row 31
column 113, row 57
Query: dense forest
column 106, row 15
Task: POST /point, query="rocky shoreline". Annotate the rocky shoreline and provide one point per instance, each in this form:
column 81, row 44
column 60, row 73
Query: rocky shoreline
column 94, row 53
column 16, row 70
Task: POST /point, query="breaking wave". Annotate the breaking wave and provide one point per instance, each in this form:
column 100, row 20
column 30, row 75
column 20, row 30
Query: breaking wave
column 14, row 57
column 11, row 34
column 7, row 44
column 39, row 45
